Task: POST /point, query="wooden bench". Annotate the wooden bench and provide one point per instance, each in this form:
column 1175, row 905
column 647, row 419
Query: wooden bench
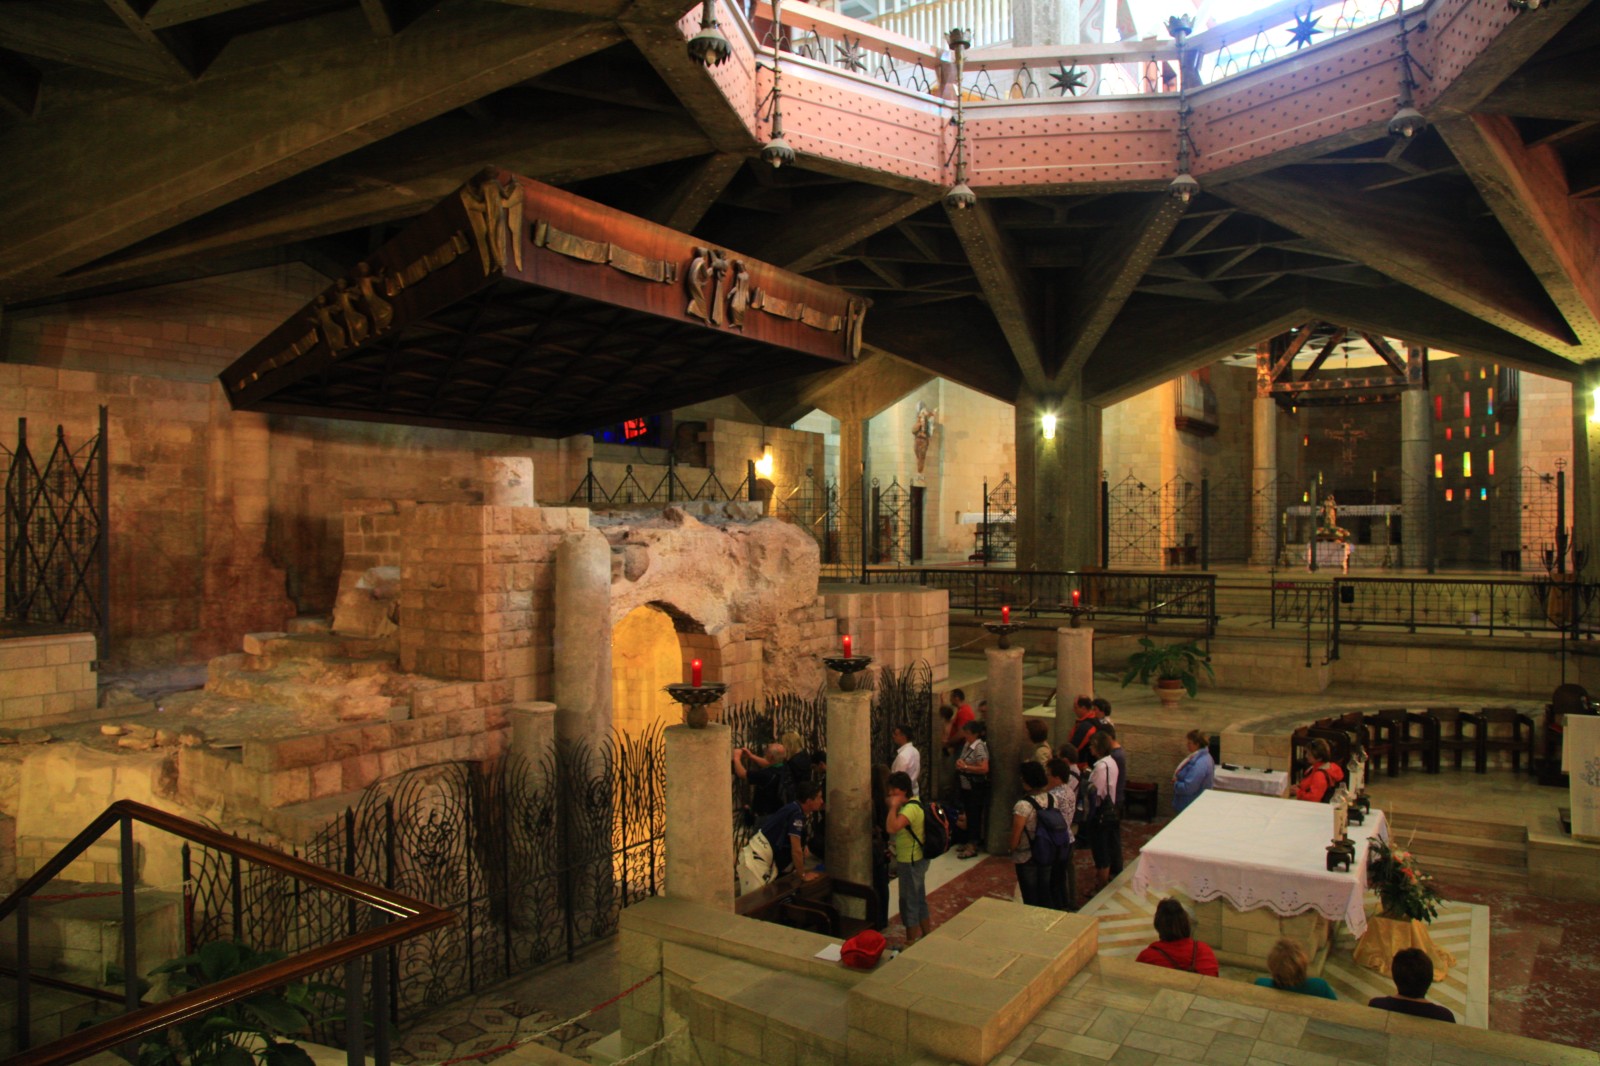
column 793, row 901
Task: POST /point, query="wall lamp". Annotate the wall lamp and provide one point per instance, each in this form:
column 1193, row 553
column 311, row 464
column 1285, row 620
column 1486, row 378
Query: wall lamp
column 1047, row 424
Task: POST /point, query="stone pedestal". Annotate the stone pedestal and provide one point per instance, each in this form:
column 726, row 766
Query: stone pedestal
column 533, row 732
column 1074, row 676
column 1007, row 742
column 849, row 796
column 583, row 637
column 699, row 828
column 507, row 480
column 1243, row 938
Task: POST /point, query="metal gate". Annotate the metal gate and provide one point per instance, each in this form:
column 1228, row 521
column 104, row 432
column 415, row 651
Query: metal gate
column 1133, row 523
column 57, row 562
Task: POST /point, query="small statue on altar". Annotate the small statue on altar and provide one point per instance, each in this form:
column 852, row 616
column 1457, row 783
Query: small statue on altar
column 922, row 432
column 1329, row 528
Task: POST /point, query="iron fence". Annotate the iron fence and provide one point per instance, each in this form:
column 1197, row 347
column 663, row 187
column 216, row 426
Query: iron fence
column 1309, row 605
column 1476, row 604
column 661, row 484
column 1150, row 597
column 57, row 563
column 536, row 858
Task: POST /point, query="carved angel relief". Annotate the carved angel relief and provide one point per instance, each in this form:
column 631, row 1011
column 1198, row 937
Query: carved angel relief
column 495, row 213
column 719, row 288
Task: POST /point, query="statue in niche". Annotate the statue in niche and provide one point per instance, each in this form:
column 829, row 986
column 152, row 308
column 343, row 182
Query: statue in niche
column 922, row 432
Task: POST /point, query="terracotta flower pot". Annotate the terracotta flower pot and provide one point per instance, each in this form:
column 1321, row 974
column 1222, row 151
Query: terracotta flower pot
column 1170, row 691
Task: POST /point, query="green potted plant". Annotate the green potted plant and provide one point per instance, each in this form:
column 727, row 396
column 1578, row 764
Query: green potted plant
column 1175, row 668
column 1409, row 902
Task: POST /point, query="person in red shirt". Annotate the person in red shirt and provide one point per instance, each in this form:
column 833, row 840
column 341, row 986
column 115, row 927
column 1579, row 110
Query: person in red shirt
column 1318, row 782
column 1178, row 949
column 954, row 738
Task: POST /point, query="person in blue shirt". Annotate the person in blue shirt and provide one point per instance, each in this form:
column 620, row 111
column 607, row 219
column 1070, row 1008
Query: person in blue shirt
column 780, row 844
column 1195, row 774
column 1287, row 964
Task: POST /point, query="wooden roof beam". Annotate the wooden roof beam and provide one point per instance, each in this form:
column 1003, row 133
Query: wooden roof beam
column 808, row 237
column 1438, row 256
column 1527, row 190
column 657, row 36
column 1498, row 62
column 42, row 31
column 683, row 205
column 251, row 124
column 175, row 48
column 1007, row 288
column 1120, row 257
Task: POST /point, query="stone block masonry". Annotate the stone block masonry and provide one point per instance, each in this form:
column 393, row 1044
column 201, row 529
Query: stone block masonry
column 47, row 680
column 895, row 624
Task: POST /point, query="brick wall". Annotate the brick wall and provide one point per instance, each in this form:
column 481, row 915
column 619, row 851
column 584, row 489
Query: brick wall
column 895, row 625
column 46, row 679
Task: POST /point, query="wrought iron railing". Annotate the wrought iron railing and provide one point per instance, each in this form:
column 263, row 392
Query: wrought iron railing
column 1309, row 606
column 659, row 485
column 906, row 48
column 1149, row 598
column 1476, row 605
column 56, row 565
column 372, row 922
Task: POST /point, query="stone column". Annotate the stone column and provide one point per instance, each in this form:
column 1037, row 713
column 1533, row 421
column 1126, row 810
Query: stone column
column 1585, row 520
column 1046, row 22
column 1264, row 517
column 1058, row 484
column 507, row 480
column 849, row 796
column 533, row 731
column 1007, row 742
column 1416, row 476
column 699, row 829
column 1074, row 676
column 583, row 637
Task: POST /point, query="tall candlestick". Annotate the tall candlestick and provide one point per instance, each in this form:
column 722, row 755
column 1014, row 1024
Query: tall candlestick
column 1005, row 616
column 694, row 672
column 847, row 645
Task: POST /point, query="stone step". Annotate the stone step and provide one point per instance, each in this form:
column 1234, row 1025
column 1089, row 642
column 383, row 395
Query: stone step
column 1403, row 822
column 1481, row 853
column 80, row 939
column 1470, row 874
column 309, row 623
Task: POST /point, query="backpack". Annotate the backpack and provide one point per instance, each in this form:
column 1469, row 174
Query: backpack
column 935, row 826
column 1052, row 837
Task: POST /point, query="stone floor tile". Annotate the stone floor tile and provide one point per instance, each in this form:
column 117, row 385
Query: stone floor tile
column 1221, row 1023
column 1280, row 1028
column 1266, row 1051
column 1113, row 1024
column 1166, row 1045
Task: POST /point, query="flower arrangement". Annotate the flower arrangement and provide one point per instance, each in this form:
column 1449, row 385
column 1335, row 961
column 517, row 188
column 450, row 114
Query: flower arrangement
column 1405, row 891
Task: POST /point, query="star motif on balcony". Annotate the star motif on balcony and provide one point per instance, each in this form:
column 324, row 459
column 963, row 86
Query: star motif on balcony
column 1070, row 80
column 1305, row 28
column 852, row 56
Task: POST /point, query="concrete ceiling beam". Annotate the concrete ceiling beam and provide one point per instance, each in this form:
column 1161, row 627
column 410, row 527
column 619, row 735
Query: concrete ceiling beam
column 19, row 85
column 1526, row 188
column 807, row 238
column 1120, row 257
column 1472, row 50
column 722, row 111
column 1466, row 266
column 682, row 206
column 1007, row 288
column 43, row 31
column 302, row 94
column 961, row 343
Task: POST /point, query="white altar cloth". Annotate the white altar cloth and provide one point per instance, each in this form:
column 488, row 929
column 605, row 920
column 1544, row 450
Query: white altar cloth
column 1255, row 851
column 1580, row 759
column 1259, row 782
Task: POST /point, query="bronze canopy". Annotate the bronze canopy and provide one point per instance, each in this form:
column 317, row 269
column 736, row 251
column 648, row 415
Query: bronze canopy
column 515, row 307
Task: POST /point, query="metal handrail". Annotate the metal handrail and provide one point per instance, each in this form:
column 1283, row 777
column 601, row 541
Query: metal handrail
column 411, row 917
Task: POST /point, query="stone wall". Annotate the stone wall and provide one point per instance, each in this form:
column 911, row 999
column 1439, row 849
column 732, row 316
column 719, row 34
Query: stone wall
column 897, row 625
column 44, row 680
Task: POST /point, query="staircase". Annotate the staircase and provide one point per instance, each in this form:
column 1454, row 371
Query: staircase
column 1465, row 851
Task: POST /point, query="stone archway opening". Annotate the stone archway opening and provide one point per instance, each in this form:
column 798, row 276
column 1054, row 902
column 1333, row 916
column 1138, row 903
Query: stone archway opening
column 646, row 657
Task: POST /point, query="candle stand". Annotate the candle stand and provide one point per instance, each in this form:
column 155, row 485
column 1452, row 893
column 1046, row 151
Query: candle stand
column 847, row 667
column 1003, row 630
column 695, row 699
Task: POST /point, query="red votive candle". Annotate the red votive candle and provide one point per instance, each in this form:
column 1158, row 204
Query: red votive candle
column 694, row 672
column 847, row 645
column 1075, row 595
column 1005, row 616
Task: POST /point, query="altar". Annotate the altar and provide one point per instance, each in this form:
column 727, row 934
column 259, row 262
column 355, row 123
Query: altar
column 1255, row 870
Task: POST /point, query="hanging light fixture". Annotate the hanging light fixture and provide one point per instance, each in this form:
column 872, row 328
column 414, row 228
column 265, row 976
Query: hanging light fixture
column 1521, row 6
column 960, row 196
column 777, row 151
column 1407, row 121
column 709, row 47
column 1183, row 188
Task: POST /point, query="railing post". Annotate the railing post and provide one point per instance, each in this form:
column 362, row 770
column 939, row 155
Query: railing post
column 985, row 526
column 750, row 479
column 238, row 900
column 1412, row 623
column 103, row 507
column 672, row 477
column 130, row 919
column 1205, row 523
column 866, row 521
column 24, row 987
column 588, row 482
column 1105, row 523
column 1333, row 613
column 355, row 1052
column 1491, row 608
column 380, row 1004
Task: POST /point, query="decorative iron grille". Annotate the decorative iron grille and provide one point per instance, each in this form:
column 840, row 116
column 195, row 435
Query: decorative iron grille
column 999, row 533
column 1523, row 515
column 891, row 524
column 57, row 562
column 1133, row 523
column 536, row 859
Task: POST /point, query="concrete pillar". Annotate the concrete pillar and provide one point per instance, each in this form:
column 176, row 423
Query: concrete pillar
column 1264, row 517
column 533, row 731
column 1046, row 22
column 583, row 637
column 1074, row 676
column 699, row 830
column 506, row 480
column 1416, row 475
column 1007, row 742
column 849, row 795
column 1058, row 484
column 1585, row 518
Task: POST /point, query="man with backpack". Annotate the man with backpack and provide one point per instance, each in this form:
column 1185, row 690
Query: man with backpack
column 918, row 833
column 1041, row 838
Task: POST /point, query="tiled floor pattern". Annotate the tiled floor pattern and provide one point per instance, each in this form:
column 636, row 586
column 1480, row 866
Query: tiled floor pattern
column 1126, row 926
